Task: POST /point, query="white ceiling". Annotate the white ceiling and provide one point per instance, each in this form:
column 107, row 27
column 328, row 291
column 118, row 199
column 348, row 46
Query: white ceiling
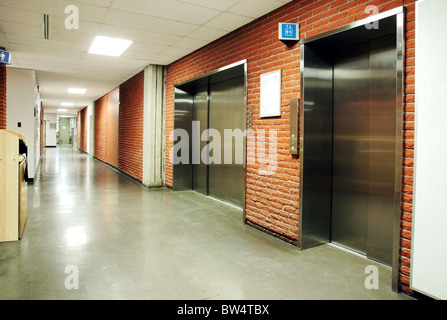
column 162, row 30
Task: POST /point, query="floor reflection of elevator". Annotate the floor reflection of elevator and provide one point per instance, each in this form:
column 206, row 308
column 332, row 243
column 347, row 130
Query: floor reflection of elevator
column 212, row 110
column 351, row 140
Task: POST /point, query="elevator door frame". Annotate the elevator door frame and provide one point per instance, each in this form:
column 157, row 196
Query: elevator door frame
column 316, row 130
column 184, row 101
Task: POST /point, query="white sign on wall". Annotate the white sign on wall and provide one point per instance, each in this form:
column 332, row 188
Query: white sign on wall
column 271, row 94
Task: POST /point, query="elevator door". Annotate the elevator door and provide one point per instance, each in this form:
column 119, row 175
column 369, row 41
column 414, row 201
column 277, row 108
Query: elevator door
column 200, row 168
column 227, row 112
column 364, row 146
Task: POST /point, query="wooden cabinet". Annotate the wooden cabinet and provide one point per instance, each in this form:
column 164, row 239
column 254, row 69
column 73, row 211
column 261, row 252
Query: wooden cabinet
column 13, row 187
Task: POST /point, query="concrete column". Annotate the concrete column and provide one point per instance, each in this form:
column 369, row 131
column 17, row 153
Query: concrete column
column 153, row 133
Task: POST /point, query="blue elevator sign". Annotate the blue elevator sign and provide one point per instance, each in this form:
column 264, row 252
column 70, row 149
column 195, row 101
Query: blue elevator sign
column 289, row 31
column 5, row 57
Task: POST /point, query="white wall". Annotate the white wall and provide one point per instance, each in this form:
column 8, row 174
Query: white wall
column 90, row 128
column 74, row 132
column 21, row 100
column 51, row 134
column 429, row 254
column 37, row 126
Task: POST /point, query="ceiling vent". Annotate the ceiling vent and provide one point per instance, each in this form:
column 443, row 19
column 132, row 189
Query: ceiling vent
column 46, row 27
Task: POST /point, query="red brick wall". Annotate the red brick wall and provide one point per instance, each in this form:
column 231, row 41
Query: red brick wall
column 82, row 130
column 129, row 144
column 273, row 201
column 409, row 126
column 101, row 128
column 112, row 128
column 130, row 135
column 3, row 96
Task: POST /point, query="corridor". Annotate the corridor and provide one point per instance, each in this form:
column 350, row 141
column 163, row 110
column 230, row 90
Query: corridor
column 130, row 242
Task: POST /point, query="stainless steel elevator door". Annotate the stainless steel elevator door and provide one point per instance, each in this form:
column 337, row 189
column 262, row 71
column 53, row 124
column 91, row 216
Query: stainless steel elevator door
column 351, row 143
column 364, row 146
column 383, row 93
column 227, row 111
column 200, row 169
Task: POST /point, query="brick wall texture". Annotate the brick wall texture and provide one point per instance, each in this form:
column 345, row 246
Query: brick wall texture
column 101, row 127
column 130, row 133
column 272, row 202
column 3, row 96
column 130, row 128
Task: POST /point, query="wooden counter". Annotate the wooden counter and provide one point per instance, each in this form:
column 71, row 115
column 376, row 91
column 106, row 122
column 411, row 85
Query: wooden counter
column 13, row 187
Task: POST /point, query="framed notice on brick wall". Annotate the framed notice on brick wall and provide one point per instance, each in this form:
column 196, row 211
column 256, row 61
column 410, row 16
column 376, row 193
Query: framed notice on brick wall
column 271, row 94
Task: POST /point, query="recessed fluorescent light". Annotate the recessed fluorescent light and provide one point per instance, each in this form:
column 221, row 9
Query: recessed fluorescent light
column 67, row 104
column 109, row 46
column 62, row 110
column 77, row 90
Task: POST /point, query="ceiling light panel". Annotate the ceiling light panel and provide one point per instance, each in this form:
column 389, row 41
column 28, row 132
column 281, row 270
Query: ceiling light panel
column 109, row 46
column 77, row 91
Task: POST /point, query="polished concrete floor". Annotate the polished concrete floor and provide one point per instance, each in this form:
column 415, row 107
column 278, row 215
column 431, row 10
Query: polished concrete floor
column 123, row 241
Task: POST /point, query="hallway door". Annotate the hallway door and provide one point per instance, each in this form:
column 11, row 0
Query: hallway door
column 64, row 131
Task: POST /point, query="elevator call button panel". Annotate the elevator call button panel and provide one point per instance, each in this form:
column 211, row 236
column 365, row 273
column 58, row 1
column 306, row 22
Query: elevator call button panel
column 294, row 127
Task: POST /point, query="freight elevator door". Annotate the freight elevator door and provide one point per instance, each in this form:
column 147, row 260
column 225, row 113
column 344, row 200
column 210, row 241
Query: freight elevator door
column 364, row 145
